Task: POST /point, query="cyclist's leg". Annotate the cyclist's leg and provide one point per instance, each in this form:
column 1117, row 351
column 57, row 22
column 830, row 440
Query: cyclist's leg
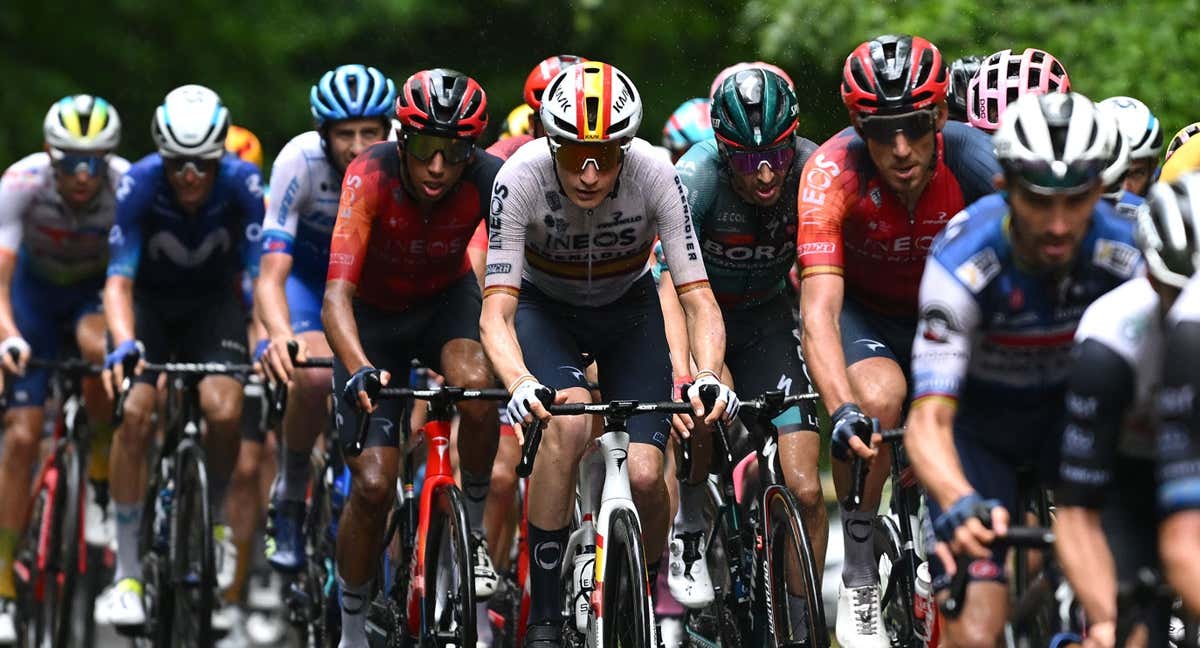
column 89, row 336
column 243, row 506
column 986, row 607
column 500, row 515
column 551, row 349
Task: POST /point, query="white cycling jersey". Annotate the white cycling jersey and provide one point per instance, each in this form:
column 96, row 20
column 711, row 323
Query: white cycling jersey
column 61, row 245
column 588, row 257
column 302, row 206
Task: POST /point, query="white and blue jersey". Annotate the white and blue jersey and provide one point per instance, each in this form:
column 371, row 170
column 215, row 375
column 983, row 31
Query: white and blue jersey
column 175, row 256
column 995, row 337
column 1127, row 205
column 305, row 189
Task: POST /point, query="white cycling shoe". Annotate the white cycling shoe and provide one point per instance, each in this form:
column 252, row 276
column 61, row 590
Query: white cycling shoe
column 8, row 622
column 226, row 556
column 121, row 605
column 99, row 524
column 484, row 571
column 859, row 621
column 687, row 575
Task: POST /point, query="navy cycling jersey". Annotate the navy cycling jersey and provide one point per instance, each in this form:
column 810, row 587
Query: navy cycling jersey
column 997, row 338
column 173, row 254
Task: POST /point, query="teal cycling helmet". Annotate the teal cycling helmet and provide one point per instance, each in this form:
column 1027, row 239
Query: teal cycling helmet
column 754, row 108
column 690, row 124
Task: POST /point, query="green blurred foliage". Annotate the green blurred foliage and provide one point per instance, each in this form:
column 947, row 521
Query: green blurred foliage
column 263, row 56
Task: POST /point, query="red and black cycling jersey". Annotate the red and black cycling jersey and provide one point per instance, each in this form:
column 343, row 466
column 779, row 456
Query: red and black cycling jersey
column 396, row 254
column 853, row 224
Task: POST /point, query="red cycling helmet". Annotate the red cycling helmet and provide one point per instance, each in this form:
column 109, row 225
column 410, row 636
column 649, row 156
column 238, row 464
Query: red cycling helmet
column 442, row 102
column 894, row 74
column 540, row 76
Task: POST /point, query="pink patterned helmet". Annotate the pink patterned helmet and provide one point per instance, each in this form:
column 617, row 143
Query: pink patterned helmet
column 1004, row 76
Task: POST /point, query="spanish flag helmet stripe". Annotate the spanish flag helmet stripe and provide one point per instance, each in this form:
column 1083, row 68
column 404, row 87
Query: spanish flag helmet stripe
column 594, row 82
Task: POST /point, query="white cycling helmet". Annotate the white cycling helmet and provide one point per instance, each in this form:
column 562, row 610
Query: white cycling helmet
column 1055, row 143
column 191, row 122
column 1168, row 231
column 82, row 123
column 1113, row 175
column 591, row 102
column 1138, row 125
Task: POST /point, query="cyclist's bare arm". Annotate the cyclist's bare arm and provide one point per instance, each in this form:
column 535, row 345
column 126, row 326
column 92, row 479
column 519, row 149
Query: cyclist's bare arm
column 118, row 308
column 337, row 315
column 1086, row 558
column 821, row 298
column 676, row 325
column 270, row 297
column 929, row 440
column 8, row 264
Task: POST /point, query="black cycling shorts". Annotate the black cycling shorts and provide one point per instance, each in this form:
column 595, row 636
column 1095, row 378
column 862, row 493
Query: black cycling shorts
column 626, row 338
column 867, row 334
column 210, row 328
column 392, row 339
column 762, row 354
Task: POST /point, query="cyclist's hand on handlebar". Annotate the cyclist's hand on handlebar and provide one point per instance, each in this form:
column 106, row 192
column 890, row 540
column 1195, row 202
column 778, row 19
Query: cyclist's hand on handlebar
column 362, row 387
column 277, row 361
column 526, row 403
column 1101, row 635
column 129, row 352
column 968, row 528
column 727, row 404
column 16, row 352
column 850, row 427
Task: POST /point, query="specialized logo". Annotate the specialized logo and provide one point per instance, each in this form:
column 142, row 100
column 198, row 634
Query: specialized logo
column 873, row 345
column 165, row 244
column 574, row 371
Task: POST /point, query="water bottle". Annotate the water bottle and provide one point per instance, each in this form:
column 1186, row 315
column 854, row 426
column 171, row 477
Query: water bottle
column 925, row 621
column 162, row 516
column 585, row 572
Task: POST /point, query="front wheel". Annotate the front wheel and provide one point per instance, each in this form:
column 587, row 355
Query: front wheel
column 796, row 615
column 448, row 609
column 193, row 573
column 624, row 616
column 67, row 539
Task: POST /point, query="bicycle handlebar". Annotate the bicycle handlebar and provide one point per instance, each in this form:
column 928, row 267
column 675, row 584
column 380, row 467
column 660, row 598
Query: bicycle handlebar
column 354, row 447
column 1017, row 536
column 622, row 409
column 277, row 394
column 859, row 468
column 771, row 404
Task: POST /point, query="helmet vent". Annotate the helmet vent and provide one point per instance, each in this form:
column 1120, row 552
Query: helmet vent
column 591, row 106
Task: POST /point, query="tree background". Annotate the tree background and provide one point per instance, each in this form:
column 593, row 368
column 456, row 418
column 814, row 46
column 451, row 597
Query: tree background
column 263, row 56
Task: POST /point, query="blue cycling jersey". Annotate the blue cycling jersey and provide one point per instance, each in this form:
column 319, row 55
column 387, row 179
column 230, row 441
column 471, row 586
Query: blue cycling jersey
column 995, row 336
column 1126, row 206
column 173, row 254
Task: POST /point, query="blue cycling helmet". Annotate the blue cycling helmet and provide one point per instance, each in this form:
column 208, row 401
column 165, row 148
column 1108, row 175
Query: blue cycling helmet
column 688, row 125
column 352, row 92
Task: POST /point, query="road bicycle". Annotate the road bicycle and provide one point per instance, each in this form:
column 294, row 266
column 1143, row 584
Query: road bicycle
column 428, row 593
column 53, row 597
column 618, row 609
column 176, row 535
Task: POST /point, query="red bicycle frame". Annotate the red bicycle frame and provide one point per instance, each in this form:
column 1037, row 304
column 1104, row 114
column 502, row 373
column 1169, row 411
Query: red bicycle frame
column 438, row 475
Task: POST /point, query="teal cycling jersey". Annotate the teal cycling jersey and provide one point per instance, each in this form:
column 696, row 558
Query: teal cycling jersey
column 747, row 249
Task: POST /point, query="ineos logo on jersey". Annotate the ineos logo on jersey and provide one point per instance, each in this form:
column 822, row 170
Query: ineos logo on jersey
column 627, row 236
column 165, row 244
column 818, row 178
column 499, row 193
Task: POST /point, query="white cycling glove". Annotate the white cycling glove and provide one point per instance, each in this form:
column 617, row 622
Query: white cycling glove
column 14, row 348
column 724, row 393
column 524, row 394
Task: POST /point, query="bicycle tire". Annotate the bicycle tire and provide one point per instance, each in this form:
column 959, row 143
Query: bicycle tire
column 783, row 527
column 896, row 603
column 157, row 594
column 625, row 614
column 448, row 608
column 68, row 538
column 310, row 605
column 31, row 624
column 192, row 569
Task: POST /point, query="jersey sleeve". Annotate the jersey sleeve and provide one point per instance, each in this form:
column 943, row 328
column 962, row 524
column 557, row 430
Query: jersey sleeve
column 698, row 172
column 352, row 227
column 1099, row 391
column 134, row 196
column 289, row 190
column 949, row 320
column 971, row 157
column 828, row 188
column 512, row 206
column 669, row 205
column 17, row 188
column 250, row 201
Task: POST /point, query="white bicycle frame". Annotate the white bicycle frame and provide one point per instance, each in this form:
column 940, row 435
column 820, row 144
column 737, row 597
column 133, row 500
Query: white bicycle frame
column 603, row 489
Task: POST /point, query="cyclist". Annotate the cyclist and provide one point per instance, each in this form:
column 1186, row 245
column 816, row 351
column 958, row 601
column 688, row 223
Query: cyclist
column 1125, row 202
column 746, row 65
column 690, row 124
column 1004, row 77
column 567, row 275
column 351, row 106
column 742, row 189
column 871, row 199
column 1183, row 154
column 517, row 122
column 1001, row 297
column 535, row 85
column 1143, row 133
column 55, row 210
column 187, row 226
column 962, row 70
column 1105, row 525
column 244, row 144
column 400, row 286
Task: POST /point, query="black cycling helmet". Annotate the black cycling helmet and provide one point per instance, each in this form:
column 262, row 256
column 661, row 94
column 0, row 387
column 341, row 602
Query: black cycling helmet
column 961, row 72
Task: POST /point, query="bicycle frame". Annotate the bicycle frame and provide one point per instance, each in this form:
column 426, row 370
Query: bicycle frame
column 439, row 475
